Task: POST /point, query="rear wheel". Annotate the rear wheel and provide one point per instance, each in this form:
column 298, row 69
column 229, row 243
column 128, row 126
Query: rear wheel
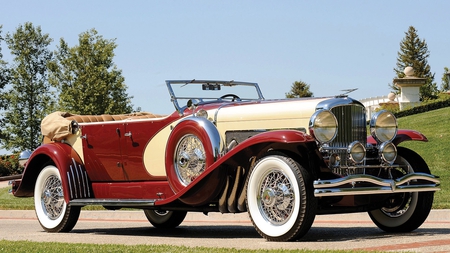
column 405, row 212
column 52, row 211
column 280, row 199
column 165, row 219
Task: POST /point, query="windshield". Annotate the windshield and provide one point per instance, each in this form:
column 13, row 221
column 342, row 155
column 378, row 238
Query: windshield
column 203, row 91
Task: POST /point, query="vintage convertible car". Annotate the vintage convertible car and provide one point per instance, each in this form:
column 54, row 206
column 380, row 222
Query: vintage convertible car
column 227, row 149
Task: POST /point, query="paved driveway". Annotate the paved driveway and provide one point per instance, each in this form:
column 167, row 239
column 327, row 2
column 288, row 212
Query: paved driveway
column 347, row 231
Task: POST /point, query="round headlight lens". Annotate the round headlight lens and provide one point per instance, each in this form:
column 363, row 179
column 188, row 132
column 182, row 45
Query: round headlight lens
column 356, row 152
column 323, row 126
column 383, row 126
column 202, row 113
column 388, row 152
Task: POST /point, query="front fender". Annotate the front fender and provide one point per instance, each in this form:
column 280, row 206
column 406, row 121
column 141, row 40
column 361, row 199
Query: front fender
column 73, row 175
column 279, row 137
column 402, row 135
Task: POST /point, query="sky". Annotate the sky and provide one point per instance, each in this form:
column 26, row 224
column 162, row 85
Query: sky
column 331, row 45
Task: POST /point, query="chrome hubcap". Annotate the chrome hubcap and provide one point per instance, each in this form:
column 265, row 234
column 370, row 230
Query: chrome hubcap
column 52, row 198
column 276, row 198
column 190, row 159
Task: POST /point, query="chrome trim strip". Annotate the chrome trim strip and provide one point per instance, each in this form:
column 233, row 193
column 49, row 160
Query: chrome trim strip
column 113, row 202
column 78, row 181
column 381, row 186
column 87, row 185
column 70, row 185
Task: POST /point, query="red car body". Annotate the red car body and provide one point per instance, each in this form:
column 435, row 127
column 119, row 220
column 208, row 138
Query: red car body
column 283, row 161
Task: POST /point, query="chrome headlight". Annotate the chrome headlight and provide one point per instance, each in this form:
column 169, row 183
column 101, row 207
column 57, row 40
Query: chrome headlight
column 323, row 126
column 356, row 152
column 388, row 152
column 202, row 113
column 383, row 126
column 23, row 157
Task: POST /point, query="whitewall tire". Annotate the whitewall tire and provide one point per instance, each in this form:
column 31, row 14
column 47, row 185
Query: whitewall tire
column 280, row 199
column 52, row 211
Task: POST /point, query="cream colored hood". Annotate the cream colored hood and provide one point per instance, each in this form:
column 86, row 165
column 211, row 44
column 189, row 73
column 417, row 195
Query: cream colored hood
column 267, row 115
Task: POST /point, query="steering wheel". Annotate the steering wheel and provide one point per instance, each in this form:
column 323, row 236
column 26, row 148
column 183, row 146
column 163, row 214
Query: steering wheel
column 232, row 96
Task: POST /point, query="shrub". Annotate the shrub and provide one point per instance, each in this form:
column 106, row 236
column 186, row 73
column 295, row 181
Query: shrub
column 429, row 105
column 9, row 165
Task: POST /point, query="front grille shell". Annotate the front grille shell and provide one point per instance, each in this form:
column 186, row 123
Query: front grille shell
column 351, row 118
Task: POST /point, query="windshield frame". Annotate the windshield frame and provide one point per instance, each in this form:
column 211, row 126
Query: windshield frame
column 175, row 98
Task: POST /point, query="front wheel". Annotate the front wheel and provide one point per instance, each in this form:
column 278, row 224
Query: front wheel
column 52, row 211
column 280, row 199
column 405, row 212
column 165, row 219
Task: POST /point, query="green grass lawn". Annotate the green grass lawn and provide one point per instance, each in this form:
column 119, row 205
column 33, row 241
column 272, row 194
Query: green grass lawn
column 51, row 247
column 435, row 125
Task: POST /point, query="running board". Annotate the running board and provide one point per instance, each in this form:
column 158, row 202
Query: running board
column 114, row 202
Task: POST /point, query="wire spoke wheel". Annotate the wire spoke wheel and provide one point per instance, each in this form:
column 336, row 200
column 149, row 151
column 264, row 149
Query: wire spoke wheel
column 404, row 212
column 52, row 211
column 52, row 198
column 280, row 199
column 276, row 201
column 190, row 159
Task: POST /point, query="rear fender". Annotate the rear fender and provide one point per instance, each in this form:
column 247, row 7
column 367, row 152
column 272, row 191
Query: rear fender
column 73, row 174
column 402, row 135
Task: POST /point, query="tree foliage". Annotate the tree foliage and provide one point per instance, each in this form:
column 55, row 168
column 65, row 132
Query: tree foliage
column 4, row 72
column 414, row 53
column 299, row 89
column 445, row 85
column 29, row 98
column 87, row 79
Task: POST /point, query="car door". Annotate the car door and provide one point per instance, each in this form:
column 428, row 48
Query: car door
column 137, row 134
column 102, row 145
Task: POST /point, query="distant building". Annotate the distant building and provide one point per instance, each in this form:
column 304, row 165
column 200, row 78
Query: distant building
column 373, row 103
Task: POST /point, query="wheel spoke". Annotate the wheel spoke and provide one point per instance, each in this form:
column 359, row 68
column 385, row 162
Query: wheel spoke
column 190, row 159
column 52, row 197
column 276, row 200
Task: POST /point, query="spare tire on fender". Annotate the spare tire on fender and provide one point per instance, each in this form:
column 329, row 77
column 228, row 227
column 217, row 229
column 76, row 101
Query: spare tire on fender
column 193, row 145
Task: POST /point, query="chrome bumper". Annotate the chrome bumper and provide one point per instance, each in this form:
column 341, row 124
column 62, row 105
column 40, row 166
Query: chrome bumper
column 340, row 186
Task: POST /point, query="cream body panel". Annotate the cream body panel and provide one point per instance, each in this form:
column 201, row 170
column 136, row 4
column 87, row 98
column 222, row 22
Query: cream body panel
column 75, row 141
column 155, row 153
column 288, row 114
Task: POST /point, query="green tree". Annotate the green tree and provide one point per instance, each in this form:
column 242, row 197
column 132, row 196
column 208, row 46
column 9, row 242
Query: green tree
column 299, row 89
column 29, row 98
column 87, row 79
column 414, row 52
column 445, row 85
column 4, row 73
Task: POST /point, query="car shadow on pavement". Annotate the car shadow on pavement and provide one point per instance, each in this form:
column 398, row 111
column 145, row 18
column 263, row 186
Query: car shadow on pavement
column 316, row 234
column 181, row 231
column 333, row 234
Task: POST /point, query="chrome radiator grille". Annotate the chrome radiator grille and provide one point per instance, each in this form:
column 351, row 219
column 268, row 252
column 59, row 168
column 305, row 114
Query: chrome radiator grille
column 351, row 127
